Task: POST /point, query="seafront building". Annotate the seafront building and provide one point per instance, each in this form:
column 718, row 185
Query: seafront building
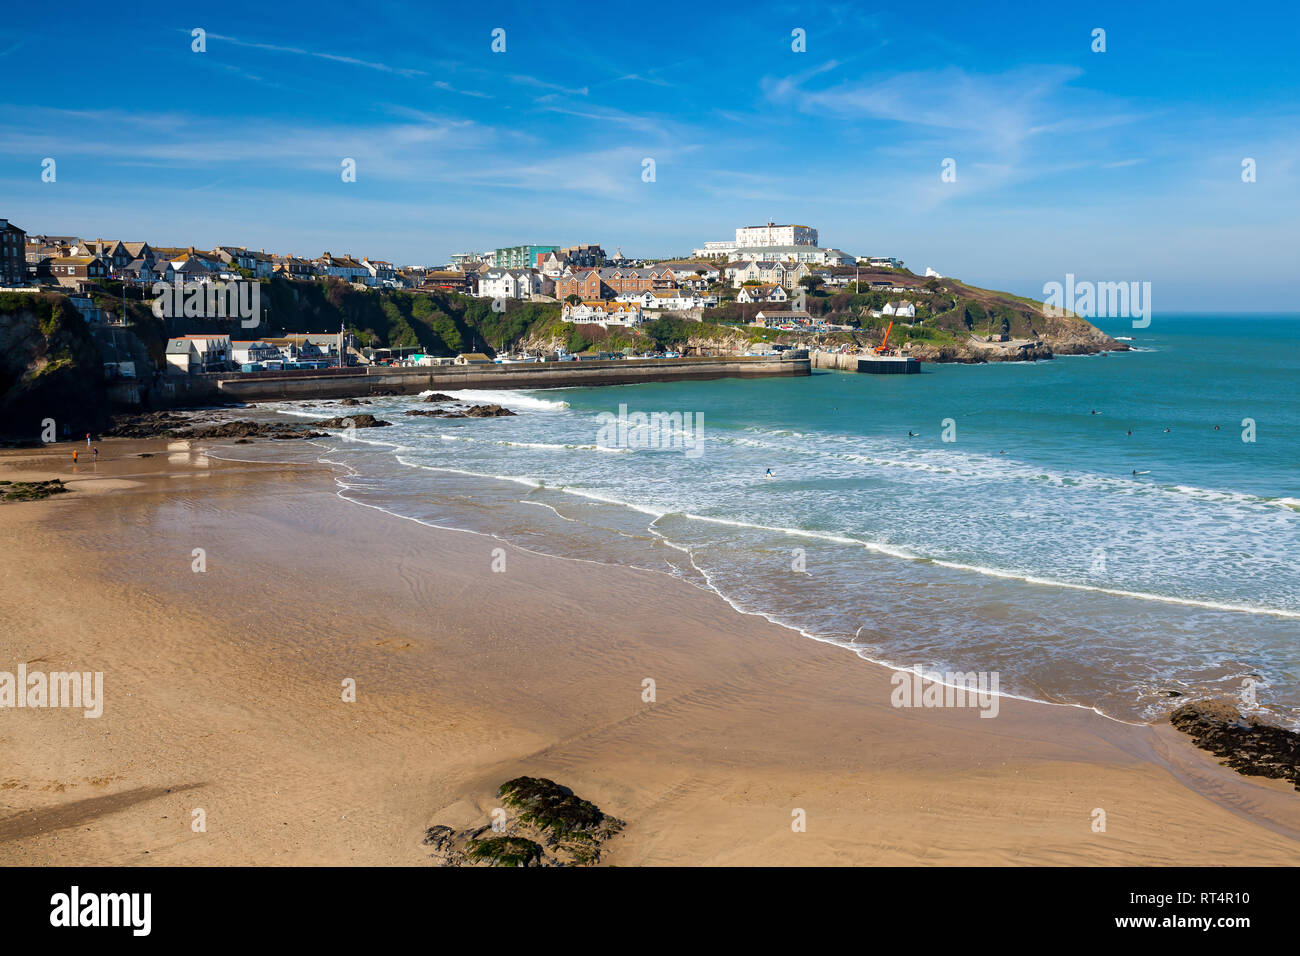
column 603, row 312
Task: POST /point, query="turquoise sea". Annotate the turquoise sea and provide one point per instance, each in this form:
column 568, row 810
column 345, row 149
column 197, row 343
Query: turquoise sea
column 1027, row 545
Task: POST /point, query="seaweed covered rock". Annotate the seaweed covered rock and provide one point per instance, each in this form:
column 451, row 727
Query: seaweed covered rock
column 1246, row 744
column 505, row 851
column 30, row 490
column 549, row 807
column 545, row 825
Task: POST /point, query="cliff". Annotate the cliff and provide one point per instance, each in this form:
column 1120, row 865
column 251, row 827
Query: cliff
column 50, row 369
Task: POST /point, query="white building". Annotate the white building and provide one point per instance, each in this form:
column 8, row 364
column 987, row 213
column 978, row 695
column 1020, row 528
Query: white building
column 756, row 237
column 814, row 255
column 382, row 273
column 774, row 235
column 711, row 249
column 198, row 353
column 602, row 312
column 248, row 352
column 512, row 284
column 762, row 293
column 901, row 310
column 673, row 300
column 882, row 262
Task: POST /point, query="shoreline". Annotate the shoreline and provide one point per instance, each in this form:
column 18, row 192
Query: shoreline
column 522, row 673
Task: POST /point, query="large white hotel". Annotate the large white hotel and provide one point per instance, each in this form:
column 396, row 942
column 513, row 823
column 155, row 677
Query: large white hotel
column 788, row 243
column 752, row 237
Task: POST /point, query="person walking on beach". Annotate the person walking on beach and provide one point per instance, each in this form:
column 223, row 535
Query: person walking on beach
column 74, row 456
column 87, row 439
column 96, row 450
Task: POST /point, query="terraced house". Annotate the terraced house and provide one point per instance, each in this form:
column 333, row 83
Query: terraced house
column 342, row 267
column 768, row 271
column 762, row 293
column 13, row 254
column 291, row 267
column 259, row 263
column 76, row 271
column 616, row 280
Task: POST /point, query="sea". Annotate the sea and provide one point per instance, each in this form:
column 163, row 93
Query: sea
column 1119, row 532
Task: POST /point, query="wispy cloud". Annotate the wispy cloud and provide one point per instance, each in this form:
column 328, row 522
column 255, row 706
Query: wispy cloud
column 333, row 57
column 527, row 80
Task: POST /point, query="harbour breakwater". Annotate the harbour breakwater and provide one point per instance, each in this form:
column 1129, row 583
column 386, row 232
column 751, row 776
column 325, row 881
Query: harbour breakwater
column 361, row 382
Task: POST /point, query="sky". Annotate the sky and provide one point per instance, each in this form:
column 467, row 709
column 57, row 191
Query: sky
column 1122, row 165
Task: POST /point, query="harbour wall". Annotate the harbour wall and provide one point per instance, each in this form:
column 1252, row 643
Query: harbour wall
column 363, row 382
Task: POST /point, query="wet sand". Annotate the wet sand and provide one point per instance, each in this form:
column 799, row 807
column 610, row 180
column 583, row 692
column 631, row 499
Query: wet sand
column 223, row 694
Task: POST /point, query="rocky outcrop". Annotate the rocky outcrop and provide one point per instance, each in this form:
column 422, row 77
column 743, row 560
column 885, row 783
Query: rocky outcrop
column 545, row 825
column 474, row 411
column 976, row 352
column 51, row 371
column 147, row 425
column 169, row 425
column 1246, row 744
column 246, row 429
column 364, row 420
column 487, row 411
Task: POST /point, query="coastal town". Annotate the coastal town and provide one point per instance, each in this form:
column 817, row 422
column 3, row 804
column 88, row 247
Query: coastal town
column 770, row 268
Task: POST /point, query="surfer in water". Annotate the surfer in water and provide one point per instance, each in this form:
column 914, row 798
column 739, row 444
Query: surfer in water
column 769, row 474
column 910, row 434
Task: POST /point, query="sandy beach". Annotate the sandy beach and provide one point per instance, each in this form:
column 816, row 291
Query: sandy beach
column 223, row 693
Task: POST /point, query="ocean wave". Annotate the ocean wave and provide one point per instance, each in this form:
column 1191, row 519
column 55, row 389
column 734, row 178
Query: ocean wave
column 502, row 397
column 977, row 466
column 540, row 446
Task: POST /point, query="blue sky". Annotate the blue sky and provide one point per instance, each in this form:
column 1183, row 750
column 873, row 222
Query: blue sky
column 1122, row 165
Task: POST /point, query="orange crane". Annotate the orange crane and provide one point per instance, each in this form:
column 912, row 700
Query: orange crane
column 884, row 344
